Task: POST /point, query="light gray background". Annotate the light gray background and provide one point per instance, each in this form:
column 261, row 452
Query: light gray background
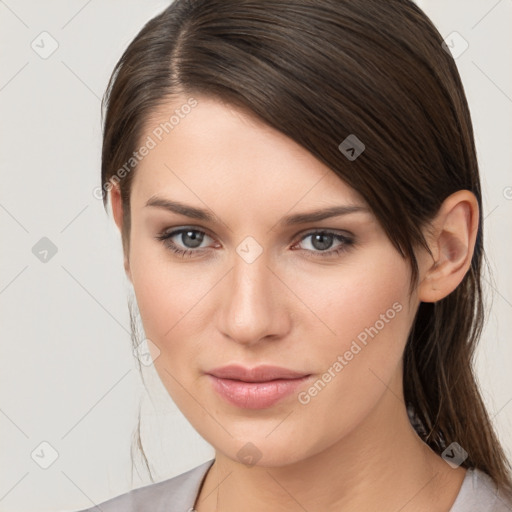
column 68, row 376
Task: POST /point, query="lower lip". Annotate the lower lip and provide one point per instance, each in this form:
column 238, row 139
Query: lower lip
column 255, row 395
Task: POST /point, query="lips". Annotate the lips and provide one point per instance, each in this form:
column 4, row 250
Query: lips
column 262, row 373
column 255, row 388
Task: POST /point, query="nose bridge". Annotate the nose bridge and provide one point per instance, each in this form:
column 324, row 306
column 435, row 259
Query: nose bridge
column 250, row 308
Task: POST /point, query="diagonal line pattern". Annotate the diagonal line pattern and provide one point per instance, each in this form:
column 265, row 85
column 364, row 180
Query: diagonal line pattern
column 303, row 196
column 198, row 403
column 486, row 14
column 76, row 14
column 14, row 423
column 95, row 300
column 498, row 292
column 216, row 487
column 3, row 2
column 279, row 423
column 81, row 80
column 13, row 279
column 492, row 211
column 14, row 76
column 111, row 388
column 74, row 218
column 195, row 194
column 187, row 312
column 501, row 408
column 405, row 504
column 96, row 506
column 285, row 490
column 389, row 389
column 492, row 81
column 14, row 218
column 14, row 486
column 301, row 300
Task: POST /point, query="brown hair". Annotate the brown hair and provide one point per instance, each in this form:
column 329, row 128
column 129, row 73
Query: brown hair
column 319, row 71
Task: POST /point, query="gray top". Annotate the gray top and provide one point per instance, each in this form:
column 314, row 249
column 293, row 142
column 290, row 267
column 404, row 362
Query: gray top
column 178, row 494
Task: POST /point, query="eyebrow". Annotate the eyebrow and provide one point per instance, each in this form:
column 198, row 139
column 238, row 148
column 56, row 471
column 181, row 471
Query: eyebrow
column 289, row 220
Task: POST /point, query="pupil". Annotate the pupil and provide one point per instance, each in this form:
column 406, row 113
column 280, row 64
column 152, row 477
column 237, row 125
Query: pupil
column 320, row 241
column 194, row 236
column 324, row 240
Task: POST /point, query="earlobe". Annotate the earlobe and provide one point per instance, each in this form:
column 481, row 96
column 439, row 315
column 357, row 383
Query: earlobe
column 452, row 244
column 117, row 206
column 117, row 212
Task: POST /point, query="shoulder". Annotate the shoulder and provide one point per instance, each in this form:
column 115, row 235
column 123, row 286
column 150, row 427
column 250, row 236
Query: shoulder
column 479, row 493
column 177, row 493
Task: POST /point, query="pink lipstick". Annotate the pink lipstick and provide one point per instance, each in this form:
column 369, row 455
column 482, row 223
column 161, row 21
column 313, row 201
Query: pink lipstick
column 255, row 388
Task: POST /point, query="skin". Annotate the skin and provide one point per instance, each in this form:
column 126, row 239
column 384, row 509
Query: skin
column 351, row 447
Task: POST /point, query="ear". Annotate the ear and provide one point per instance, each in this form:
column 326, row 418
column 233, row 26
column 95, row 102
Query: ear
column 117, row 211
column 452, row 242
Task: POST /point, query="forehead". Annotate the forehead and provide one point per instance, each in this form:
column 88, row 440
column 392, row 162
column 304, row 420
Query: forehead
column 217, row 153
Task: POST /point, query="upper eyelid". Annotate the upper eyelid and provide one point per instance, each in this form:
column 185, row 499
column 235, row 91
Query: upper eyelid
column 169, row 233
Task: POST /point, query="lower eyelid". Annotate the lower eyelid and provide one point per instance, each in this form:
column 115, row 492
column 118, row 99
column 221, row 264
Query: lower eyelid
column 168, row 236
column 343, row 239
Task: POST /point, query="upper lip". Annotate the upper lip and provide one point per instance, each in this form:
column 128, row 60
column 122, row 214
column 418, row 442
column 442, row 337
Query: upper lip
column 261, row 373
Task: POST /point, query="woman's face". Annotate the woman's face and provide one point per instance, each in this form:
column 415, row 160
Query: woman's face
column 256, row 289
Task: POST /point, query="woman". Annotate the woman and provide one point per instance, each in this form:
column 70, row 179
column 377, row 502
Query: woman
column 297, row 190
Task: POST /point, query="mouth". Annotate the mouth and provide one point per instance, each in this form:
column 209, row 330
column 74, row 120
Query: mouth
column 256, row 388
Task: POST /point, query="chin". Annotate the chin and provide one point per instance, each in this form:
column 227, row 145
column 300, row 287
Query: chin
column 261, row 451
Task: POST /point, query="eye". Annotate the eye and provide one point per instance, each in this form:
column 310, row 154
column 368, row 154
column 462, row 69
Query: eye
column 184, row 241
column 322, row 241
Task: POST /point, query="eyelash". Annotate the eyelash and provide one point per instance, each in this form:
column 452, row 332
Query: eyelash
column 347, row 242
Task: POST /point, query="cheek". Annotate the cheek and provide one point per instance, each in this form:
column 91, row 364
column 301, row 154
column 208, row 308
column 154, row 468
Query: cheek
column 367, row 305
column 168, row 294
column 353, row 300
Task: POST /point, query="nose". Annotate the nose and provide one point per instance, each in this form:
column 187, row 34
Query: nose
column 253, row 304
